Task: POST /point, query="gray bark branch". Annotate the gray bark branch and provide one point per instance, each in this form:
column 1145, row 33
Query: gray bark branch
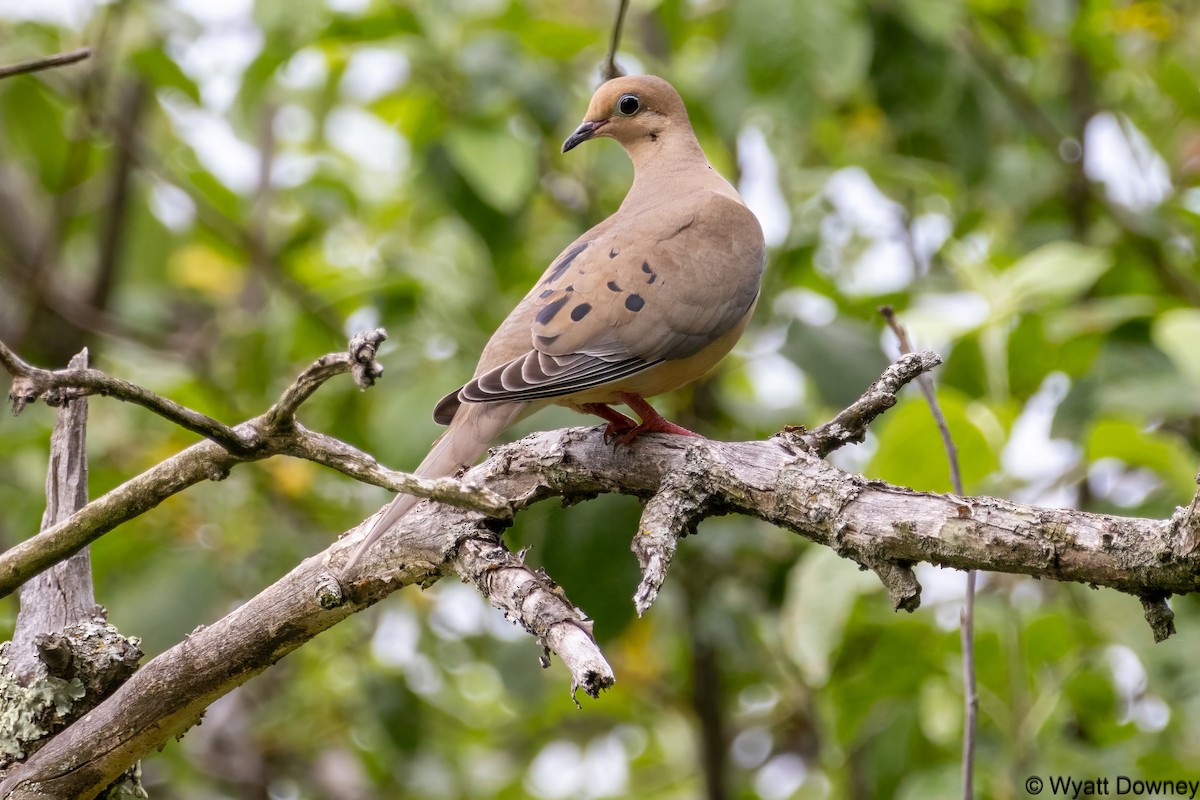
column 273, row 433
column 61, row 646
column 782, row 481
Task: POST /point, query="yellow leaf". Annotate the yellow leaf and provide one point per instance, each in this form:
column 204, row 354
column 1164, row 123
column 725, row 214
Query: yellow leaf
column 202, row 268
column 291, row 476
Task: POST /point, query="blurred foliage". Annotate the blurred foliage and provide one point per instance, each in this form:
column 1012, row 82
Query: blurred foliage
column 229, row 188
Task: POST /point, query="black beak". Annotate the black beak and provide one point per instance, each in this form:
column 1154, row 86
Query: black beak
column 584, row 132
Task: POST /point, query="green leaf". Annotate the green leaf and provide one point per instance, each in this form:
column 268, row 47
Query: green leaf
column 161, row 71
column 1097, row 316
column 821, row 591
column 1055, row 274
column 498, row 167
column 934, row 19
column 910, row 448
column 1165, row 454
column 1176, row 333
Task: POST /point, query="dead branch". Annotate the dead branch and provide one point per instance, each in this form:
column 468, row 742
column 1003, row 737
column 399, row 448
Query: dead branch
column 781, row 481
column 63, row 659
column 274, row 433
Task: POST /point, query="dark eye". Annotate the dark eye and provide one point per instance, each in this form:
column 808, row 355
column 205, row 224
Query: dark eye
column 628, row 104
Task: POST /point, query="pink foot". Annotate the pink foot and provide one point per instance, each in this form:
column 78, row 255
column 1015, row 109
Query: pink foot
column 652, row 421
column 618, row 424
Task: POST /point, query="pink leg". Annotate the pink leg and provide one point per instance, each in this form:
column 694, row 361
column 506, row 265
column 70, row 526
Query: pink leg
column 652, row 421
column 618, row 423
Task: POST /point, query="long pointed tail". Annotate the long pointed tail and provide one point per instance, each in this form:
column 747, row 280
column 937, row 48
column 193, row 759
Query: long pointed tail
column 471, row 431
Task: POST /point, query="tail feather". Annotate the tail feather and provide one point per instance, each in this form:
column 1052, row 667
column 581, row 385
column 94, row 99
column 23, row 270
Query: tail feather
column 471, row 431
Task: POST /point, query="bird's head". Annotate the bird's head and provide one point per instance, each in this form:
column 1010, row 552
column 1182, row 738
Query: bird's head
column 633, row 110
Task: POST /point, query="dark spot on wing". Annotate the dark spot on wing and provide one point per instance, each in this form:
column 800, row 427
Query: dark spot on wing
column 613, row 253
column 580, row 311
column 646, row 269
column 613, row 287
column 546, row 314
column 545, row 341
column 561, row 265
column 634, row 302
column 546, row 293
column 570, row 288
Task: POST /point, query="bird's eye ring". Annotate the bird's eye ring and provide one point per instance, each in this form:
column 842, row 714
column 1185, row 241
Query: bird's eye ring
column 628, row 105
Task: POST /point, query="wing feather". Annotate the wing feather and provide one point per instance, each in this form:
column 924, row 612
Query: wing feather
column 657, row 286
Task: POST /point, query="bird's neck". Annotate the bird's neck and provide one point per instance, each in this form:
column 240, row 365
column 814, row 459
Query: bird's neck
column 666, row 161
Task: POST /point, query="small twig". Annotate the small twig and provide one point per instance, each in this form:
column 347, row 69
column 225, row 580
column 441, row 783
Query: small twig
column 55, row 387
column 935, row 408
column 536, row 603
column 900, row 581
column 672, row 513
column 359, row 360
column 609, row 69
column 209, row 461
column 46, row 62
column 349, row 460
column 967, row 615
column 850, row 424
column 1159, row 615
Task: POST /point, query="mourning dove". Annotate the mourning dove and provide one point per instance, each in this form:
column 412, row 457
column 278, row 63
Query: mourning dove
column 645, row 302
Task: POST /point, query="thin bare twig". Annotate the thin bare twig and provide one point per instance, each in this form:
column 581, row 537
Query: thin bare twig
column 332, row 452
column 57, row 386
column 967, row 615
column 46, row 62
column 850, row 424
column 935, row 408
column 609, row 69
